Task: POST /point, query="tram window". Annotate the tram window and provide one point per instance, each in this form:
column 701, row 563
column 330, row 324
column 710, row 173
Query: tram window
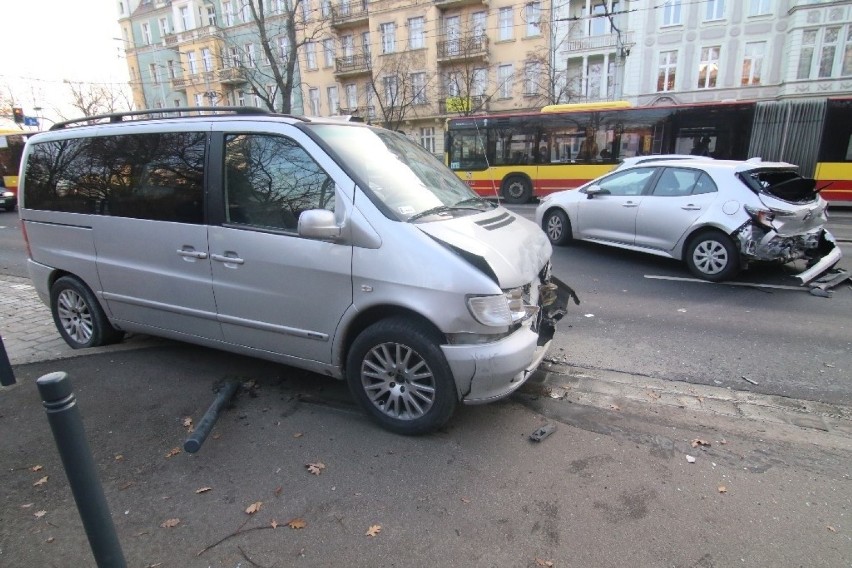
column 837, row 133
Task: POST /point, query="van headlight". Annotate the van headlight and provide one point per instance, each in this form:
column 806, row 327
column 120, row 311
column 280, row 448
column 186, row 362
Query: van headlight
column 500, row 310
column 8, row 194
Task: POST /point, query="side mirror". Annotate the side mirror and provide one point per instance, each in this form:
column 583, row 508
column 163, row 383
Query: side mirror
column 318, row 224
column 594, row 190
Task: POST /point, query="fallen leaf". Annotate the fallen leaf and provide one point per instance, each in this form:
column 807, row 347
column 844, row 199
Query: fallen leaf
column 187, row 422
column 36, row 468
column 119, row 457
column 723, row 489
column 274, row 524
column 170, row 523
column 465, row 500
column 26, row 505
column 127, row 485
column 690, row 459
column 699, row 442
column 723, row 441
column 374, row 530
column 216, row 435
column 298, row 435
column 654, row 395
column 49, row 540
column 278, row 491
column 173, row 452
column 39, row 514
column 831, row 528
column 254, row 507
column 296, row 523
column 41, row 481
column 316, row 468
column 614, row 407
column 544, row 563
column 203, row 490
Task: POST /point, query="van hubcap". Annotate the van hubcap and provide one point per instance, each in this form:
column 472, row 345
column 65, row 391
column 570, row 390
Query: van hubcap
column 398, row 381
column 74, row 316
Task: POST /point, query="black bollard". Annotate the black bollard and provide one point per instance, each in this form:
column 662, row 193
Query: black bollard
column 67, row 425
column 7, row 377
column 193, row 443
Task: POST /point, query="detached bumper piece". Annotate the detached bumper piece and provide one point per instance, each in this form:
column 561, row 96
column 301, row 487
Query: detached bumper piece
column 831, row 279
column 818, row 246
column 827, row 255
column 553, row 299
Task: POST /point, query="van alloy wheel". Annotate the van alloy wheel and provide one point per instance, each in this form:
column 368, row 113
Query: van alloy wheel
column 78, row 316
column 74, row 316
column 398, row 381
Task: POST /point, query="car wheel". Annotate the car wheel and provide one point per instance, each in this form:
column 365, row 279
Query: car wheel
column 398, row 374
column 78, row 315
column 557, row 227
column 712, row 256
column 517, row 190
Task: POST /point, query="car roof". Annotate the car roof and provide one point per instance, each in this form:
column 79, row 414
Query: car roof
column 734, row 166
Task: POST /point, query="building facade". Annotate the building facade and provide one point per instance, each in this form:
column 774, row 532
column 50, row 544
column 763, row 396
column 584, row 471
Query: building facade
column 409, row 65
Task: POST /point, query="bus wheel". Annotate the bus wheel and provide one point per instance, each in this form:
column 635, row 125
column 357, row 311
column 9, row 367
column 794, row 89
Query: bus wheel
column 517, row 190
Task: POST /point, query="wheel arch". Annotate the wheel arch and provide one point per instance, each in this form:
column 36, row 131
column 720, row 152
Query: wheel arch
column 519, row 174
column 697, row 230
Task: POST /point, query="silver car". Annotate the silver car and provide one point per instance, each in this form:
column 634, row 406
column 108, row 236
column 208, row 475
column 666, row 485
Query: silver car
column 717, row 216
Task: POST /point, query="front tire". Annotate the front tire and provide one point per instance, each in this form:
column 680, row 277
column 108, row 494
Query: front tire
column 517, row 190
column 78, row 315
column 399, row 375
column 557, row 227
column 713, row 256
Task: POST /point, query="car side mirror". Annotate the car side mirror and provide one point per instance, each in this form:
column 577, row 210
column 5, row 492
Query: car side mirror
column 319, row 224
column 594, row 190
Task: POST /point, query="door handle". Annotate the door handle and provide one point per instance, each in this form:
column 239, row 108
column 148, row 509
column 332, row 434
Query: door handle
column 629, row 204
column 691, row 207
column 227, row 259
column 189, row 253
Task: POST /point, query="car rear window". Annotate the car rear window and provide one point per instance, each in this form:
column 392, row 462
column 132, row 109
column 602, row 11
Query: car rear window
column 783, row 184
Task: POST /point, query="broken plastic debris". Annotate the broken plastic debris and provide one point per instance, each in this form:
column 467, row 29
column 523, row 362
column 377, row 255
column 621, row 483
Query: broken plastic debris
column 543, row 432
column 748, row 380
column 590, row 315
column 682, row 310
column 690, row 459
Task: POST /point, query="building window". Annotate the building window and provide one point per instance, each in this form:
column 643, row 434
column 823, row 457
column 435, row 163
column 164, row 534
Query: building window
column 236, row 58
column 480, row 82
column 418, row 88
column 427, row 138
column 250, row 58
column 245, row 12
column 532, row 70
column 504, row 78
column 228, row 13
column 193, row 64
column 351, row 97
column 306, row 10
column 155, row 73
column 171, row 67
column 146, row 34
column 388, row 33
column 206, row 59
column 759, row 7
column 753, row 62
column 311, row 54
column 453, row 85
column 211, row 16
column 667, row 71
column 672, row 13
column 347, row 46
column 184, row 18
column 477, row 25
column 847, row 54
column 365, row 44
column 391, row 90
column 415, row 33
column 314, row 97
column 708, row 68
column 599, row 23
column 325, row 8
column 164, row 27
column 506, row 24
column 532, row 12
column 199, row 99
column 714, row 10
column 825, row 53
column 333, row 101
column 284, row 47
column 828, row 52
column 241, row 98
column 328, row 51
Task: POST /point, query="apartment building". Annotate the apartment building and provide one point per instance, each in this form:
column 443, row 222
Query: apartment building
column 410, row 64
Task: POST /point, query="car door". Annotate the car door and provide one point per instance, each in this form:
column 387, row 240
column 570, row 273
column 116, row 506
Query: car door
column 150, row 236
column 275, row 290
column 610, row 214
column 679, row 197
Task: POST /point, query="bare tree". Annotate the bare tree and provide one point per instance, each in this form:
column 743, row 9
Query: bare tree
column 93, row 99
column 398, row 92
column 281, row 45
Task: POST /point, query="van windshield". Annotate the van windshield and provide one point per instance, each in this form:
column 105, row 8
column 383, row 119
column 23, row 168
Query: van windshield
column 407, row 180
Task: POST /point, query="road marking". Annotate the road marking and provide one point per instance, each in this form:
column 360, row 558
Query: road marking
column 746, row 284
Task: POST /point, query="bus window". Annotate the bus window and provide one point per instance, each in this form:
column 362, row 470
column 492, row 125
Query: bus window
column 467, row 151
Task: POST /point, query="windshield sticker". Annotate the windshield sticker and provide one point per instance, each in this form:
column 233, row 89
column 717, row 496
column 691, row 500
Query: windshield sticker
column 406, row 210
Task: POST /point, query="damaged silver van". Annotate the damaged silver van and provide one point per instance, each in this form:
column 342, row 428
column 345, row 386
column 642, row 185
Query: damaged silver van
column 335, row 247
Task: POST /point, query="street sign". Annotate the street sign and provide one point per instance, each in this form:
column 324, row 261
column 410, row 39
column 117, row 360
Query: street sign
column 30, row 121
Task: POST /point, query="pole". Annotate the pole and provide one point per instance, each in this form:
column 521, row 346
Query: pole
column 7, row 376
column 193, row 443
column 67, row 426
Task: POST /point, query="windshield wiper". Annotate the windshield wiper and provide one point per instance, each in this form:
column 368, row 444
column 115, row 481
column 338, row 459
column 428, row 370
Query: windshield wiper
column 444, row 209
column 475, row 199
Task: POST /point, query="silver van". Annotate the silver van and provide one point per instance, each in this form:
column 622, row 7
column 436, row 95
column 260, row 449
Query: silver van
column 330, row 246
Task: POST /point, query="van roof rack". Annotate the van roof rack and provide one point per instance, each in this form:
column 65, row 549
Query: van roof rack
column 173, row 112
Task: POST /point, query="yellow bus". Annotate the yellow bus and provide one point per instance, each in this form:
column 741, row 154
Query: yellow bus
column 11, row 148
column 517, row 157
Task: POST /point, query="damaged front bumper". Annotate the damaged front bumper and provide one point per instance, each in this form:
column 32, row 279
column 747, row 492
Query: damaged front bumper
column 491, row 371
column 817, row 246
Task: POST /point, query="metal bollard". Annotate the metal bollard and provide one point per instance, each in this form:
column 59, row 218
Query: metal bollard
column 7, row 376
column 193, row 443
column 67, row 425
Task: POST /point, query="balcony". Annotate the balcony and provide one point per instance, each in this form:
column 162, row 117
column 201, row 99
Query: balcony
column 463, row 105
column 349, row 14
column 232, row 76
column 176, row 38
column 351, row 65
column 608, row 42
column 466, row 48
column 449, row 4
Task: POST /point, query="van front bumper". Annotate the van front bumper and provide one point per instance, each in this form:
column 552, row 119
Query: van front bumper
column 489, row 372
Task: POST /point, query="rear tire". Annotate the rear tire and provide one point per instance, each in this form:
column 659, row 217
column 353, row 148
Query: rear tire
column 557, row 227
column 712, row 256
column 399, row 375
column 517, row 190
column 79, row 317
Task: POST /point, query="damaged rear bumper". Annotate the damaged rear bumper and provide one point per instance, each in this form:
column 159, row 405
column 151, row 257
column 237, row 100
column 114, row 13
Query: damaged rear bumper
column 818, row 247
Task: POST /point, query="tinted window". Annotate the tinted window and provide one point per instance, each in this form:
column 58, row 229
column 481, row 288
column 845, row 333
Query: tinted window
column 270, row 180
column 676, row 182
column 143, row 176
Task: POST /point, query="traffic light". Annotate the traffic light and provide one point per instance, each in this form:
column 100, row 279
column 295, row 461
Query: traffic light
column 18, row 114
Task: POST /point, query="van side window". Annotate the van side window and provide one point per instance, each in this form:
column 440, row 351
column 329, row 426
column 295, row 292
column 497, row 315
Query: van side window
column 270, row 180
column 143, row 176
